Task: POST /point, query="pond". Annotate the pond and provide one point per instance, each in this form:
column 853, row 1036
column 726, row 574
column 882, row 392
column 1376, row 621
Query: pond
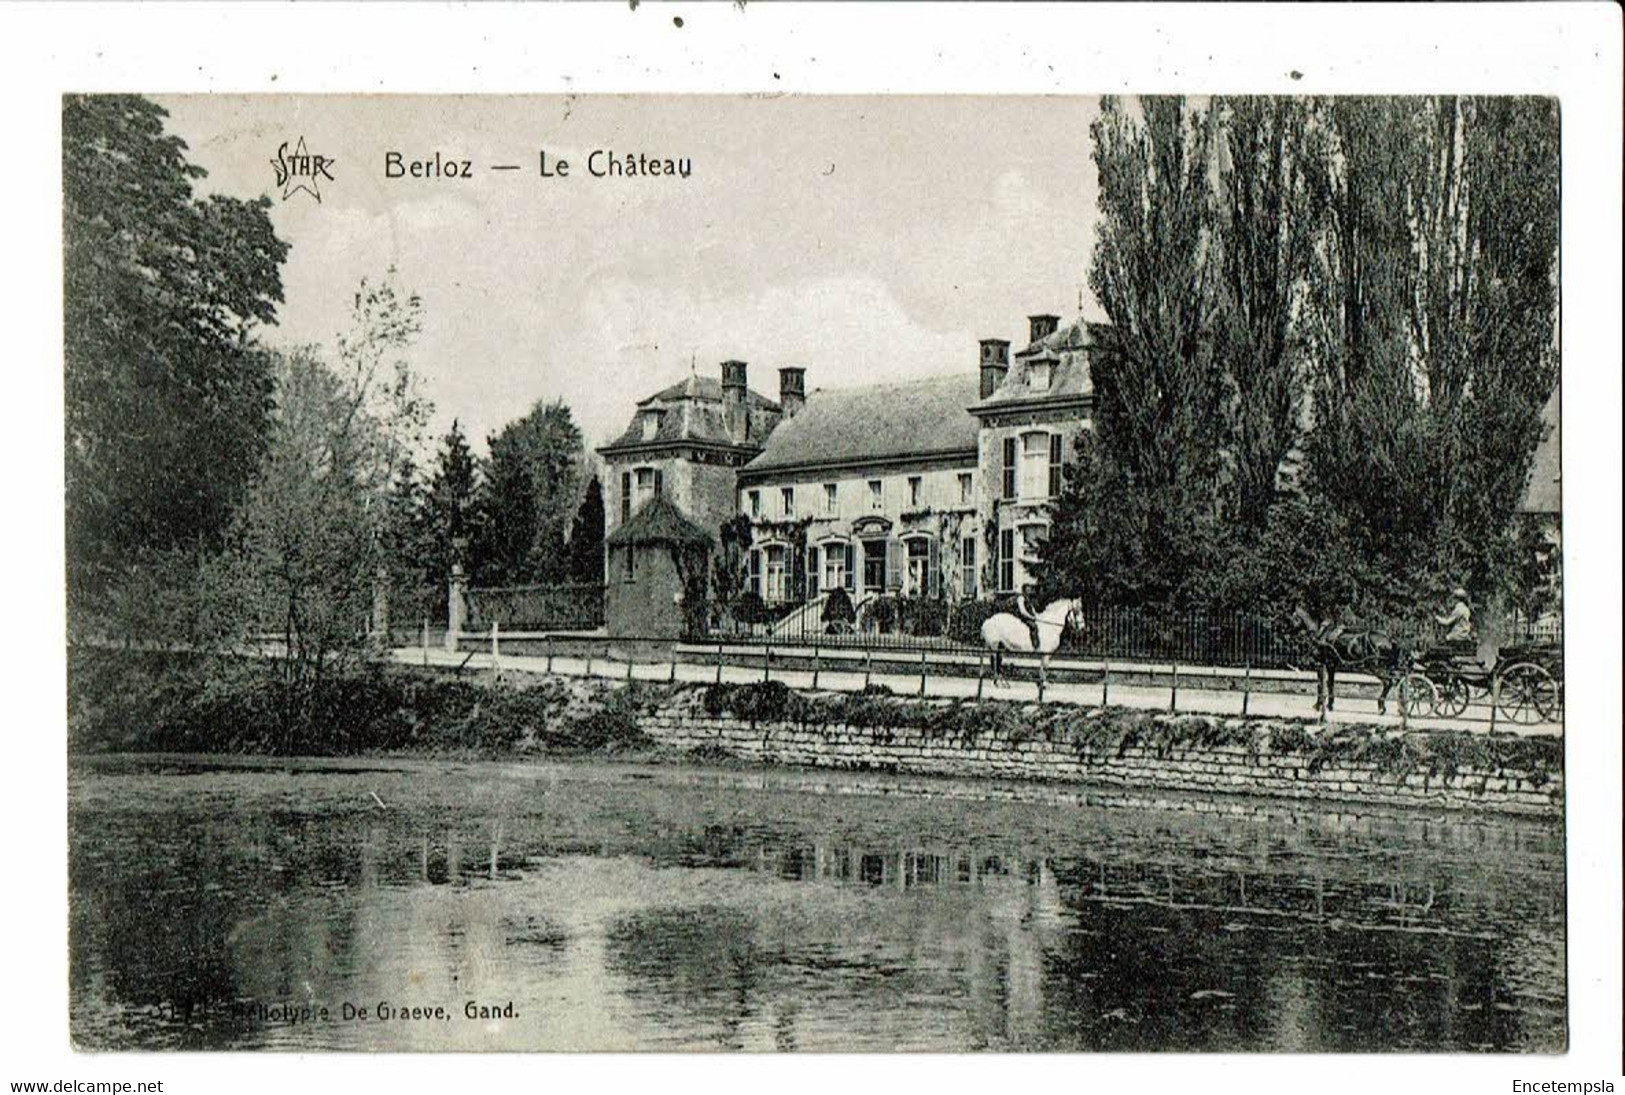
column 431, row 905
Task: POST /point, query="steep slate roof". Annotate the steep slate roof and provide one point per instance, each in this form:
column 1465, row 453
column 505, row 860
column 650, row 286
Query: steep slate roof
column 1544, row 491
column 1067, row 351
column 878, row 422
column 694, row 412
column 658, row 521
column 707, row 388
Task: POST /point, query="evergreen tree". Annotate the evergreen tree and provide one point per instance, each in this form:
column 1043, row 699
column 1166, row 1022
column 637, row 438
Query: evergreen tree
column 450, row 513
column 587, row 536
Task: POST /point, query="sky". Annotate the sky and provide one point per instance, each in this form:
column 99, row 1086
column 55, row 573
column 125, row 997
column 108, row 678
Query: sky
column 863, row 238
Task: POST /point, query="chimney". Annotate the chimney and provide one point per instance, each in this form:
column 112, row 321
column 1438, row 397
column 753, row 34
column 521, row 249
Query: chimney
column 735, row 405
column 1043, row 326
column 792, row 390
column 995, row 364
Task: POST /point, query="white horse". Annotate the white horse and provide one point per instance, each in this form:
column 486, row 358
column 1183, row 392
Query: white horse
column 1006, row 631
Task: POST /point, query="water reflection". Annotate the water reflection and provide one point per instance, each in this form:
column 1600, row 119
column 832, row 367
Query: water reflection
column 226, row 909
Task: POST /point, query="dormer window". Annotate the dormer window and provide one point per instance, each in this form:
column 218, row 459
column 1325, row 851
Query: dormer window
column 651, row 424
column 1038, row 376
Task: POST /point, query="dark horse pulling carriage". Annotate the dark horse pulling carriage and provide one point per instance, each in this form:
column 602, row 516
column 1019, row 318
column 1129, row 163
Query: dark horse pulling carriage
column 1522, row 683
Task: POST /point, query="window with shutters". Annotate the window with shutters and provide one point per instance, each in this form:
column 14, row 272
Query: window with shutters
column 1055, row 460
column 755, row 572
column 917, row 575
column 626, row 496
column 813, row 572
column 773, row 564
column 1035, row 448
column 1009, row 478
column 787, row 499
column 1007, row 560
column 874, row 565
column 753, row 501
column 967, row 566
column 837, row 563
column 876, row 499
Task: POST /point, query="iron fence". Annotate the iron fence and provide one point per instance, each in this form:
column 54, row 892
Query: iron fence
column 570, row 606
column 885, row 622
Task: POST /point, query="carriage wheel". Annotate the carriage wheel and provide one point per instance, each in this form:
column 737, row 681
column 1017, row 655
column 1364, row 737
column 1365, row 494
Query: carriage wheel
column 1529, row 694
column 1454, row 695
column 1416, row 695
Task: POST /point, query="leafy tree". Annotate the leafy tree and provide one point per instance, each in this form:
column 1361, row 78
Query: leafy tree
column 1435, row 312
column 1152, row 472
column 1264, row 236
column 587, row 536
column 531, row 477
column 374, row 365
column 1372, row 281
column 309, row 543
column 167, row 397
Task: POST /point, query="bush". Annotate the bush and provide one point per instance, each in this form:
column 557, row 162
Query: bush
column 924, row 616
column 838, row 611
column 135, row 702
column 966, row 619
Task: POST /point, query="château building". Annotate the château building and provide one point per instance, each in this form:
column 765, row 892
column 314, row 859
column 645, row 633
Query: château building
column 927, row 488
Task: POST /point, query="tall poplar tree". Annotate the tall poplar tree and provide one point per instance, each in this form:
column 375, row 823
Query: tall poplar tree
column 1153, row 465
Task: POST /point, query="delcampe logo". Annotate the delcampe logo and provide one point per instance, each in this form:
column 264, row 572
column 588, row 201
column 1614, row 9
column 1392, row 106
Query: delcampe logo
column 301, row 169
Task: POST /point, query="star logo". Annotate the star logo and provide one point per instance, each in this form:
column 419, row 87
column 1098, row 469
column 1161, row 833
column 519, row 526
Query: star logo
column 301, row 169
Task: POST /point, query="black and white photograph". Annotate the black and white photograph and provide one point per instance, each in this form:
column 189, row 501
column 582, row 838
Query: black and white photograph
column 1111, row 602
column 652, row 567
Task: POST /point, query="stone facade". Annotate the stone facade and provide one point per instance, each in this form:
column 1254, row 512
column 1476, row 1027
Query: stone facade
column 904, row 528
column 643, row 592
column 687, row 444
column 1030, row 416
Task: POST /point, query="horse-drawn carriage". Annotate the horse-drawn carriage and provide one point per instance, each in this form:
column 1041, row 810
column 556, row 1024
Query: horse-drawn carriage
column 1521, row 683
column 1524, row 684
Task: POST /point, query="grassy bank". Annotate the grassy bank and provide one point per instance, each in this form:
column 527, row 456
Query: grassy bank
column 134, row 701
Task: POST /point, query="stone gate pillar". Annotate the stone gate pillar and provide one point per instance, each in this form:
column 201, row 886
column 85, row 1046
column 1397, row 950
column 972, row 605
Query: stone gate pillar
column 456, row 606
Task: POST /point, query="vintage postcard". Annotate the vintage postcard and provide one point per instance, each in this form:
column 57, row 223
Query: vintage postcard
column 815, row 573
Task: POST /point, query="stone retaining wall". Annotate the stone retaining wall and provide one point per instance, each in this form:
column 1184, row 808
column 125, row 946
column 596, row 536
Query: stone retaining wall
column 1206, row 769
